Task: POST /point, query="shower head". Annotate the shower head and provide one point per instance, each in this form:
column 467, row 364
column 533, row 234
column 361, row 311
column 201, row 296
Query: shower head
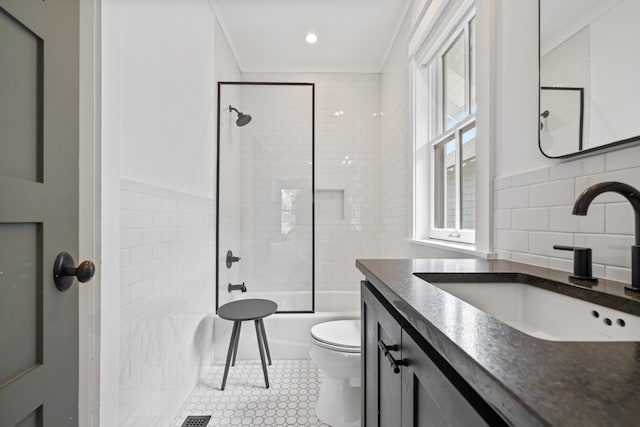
column 243, row 119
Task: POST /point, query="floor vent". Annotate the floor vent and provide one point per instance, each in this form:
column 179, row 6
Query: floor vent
column 196, row 421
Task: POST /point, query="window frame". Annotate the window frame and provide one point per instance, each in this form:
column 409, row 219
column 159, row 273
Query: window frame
column 439, row 134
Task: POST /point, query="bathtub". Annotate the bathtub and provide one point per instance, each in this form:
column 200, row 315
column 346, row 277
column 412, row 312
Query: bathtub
column 288, row 334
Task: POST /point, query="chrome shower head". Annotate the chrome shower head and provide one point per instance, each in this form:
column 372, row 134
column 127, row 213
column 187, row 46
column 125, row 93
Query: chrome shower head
column 243, row 119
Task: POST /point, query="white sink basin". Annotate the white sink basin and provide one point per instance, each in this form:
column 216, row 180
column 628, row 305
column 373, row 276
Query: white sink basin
column 545, row 314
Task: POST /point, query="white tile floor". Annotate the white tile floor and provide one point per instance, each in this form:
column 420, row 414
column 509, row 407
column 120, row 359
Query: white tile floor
column 290, row 401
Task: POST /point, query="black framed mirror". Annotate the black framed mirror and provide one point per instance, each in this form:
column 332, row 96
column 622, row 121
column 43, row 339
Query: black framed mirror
column 588, row 62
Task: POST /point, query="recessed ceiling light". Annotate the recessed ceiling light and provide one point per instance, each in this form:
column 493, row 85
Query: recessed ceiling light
column 311, row 38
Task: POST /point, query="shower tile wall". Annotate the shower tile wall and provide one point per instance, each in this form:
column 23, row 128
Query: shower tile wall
column 395, row 146
column 166, row 319
column 346, row 164
column 275, row 194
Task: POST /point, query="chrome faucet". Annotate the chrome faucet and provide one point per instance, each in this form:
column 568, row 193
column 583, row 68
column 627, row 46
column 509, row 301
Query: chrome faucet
column 633, row 196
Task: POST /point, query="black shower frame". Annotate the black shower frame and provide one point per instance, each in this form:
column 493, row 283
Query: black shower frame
column 313, row 184
column 580, row 91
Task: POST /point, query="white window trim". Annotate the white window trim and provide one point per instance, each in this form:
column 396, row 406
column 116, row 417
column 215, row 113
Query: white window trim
column 458, row 27
column 420, row 211
column 457, row 234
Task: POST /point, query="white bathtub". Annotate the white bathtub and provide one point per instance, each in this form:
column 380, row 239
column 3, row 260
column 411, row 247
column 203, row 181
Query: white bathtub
column 287, row 334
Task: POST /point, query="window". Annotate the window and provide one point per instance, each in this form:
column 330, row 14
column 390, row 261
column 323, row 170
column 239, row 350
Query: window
column 451, row 79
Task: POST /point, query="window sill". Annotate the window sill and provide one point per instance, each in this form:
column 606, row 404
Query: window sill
column 463, row 248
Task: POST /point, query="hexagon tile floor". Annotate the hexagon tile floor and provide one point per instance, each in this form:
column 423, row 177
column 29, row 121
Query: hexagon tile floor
column 290, row 401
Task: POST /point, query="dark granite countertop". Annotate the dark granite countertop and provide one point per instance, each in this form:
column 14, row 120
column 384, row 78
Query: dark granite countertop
column 529, row 381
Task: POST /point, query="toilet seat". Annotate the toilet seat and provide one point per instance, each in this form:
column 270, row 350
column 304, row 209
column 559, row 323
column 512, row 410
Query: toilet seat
column 339, row 335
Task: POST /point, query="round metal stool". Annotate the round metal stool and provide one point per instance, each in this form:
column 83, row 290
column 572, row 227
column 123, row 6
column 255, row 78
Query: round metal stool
column 239, row 311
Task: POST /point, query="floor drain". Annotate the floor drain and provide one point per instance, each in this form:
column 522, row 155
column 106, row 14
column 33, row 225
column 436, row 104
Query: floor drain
column 196, row 421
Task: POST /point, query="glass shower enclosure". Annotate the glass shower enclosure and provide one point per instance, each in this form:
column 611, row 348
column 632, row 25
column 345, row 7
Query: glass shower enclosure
column 265, row 194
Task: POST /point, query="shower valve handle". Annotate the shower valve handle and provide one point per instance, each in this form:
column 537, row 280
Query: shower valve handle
column 231, row 259
column 582, row 268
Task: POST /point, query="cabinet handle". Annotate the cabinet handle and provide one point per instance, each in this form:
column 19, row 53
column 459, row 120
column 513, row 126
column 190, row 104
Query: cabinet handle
column 395, row 364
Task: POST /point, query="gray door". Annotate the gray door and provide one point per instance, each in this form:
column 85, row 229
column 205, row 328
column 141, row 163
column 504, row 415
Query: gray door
column 38, row 211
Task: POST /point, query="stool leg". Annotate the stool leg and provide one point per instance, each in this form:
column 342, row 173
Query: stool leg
column 235, row 345
column 264, row 338
column 231, row 342
column 260, row 347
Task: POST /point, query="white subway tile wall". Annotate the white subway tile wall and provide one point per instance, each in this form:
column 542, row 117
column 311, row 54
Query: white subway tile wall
column 330, row 206
column 623, row 159
column 572, row 169
column 502, row 219
column 510, row 198
column 532, row 212
column 395, row 147
column 561, row 219
column 531, row 177
column 530, row 219
column 554, row 193
column 166, row 299
column 617, row 216
column 396, row 154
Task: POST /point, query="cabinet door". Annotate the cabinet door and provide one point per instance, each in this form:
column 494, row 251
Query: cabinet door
column 428, row 397
column 382, row 387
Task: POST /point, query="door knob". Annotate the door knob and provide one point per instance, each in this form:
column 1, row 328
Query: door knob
column 64, row 270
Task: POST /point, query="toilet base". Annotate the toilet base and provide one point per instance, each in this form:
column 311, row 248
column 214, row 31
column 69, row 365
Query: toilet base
column 338, row 403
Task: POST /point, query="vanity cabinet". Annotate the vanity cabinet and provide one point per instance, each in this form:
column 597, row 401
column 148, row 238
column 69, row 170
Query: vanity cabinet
column 423, row 390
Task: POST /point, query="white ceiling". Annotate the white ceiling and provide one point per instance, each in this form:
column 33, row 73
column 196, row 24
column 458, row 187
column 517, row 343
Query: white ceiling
column 268, row 35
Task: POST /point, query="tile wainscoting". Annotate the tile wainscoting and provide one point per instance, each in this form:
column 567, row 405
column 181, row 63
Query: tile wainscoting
column 167, row 300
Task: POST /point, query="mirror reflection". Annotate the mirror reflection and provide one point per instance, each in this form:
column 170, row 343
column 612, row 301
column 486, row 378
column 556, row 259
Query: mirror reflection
column 589, row 59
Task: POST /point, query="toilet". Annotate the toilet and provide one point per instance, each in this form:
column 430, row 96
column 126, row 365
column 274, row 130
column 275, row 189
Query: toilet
column 335, row 347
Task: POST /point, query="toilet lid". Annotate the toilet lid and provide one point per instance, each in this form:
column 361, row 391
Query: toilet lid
column 339, row 333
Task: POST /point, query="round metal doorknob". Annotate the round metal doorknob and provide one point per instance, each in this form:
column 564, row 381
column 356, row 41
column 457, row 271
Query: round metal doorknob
column 64, row 271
